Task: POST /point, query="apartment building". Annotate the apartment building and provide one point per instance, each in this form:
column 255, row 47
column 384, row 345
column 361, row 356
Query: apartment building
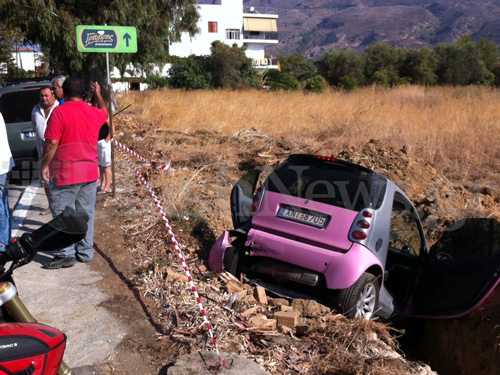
column 230, row 22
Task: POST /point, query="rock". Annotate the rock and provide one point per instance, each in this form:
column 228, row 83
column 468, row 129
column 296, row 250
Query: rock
column 310, row 308
column 260, row 320
column 278, row 302
column 287, row 318
column 207, row 362
column 260, row 295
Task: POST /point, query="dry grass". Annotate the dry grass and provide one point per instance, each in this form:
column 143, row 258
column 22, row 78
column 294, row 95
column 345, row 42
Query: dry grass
column 456, row 130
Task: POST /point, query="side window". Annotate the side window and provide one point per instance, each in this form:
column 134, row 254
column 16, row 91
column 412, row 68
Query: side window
column 212, row 27
column 404, row 232
column 17, row 106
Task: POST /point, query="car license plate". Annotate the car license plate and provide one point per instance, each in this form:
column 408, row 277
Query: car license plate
column 300, row 215
column 30, row 134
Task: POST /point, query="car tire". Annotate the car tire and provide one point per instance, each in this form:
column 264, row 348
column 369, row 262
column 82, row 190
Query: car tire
column 361, row 299
column 231, row 261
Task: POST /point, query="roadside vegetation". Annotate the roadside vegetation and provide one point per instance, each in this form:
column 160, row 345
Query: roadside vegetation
column 465, row 62
column 454, row 129
column 439, row 143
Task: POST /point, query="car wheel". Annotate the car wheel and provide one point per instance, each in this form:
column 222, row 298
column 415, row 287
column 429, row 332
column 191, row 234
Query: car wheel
column 231, row 261
column 361, row 299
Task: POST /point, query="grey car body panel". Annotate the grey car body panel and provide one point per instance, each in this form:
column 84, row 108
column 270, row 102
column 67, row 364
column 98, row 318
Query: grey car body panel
column 17, row 116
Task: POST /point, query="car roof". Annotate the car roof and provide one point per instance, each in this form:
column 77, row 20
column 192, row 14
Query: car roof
column 333, row 160
column 35, row 85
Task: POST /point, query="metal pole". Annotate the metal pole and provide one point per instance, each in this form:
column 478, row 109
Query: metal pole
column 111, row 128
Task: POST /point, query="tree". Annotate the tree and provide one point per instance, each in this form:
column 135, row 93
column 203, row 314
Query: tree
column 52, row 24
column 339, row 66
column 277, row 80
column 419, row 66
column 316, row 84
column 381, row 60
column 298, row 66
column 190, row 73
column 8, row 39
column 461, row 63
column 230, row 67
column 489, row 53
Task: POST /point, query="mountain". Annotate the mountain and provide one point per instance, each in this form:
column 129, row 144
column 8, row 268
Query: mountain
column 312, row 27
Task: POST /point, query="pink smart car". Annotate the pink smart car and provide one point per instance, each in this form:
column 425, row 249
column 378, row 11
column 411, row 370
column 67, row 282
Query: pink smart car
column 326, row 229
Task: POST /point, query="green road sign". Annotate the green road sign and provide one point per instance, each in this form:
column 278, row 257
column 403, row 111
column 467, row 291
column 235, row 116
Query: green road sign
column 119, row 39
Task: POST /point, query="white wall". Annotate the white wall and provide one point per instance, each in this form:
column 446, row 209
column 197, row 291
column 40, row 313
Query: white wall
column 26, row 59
column 227, row 13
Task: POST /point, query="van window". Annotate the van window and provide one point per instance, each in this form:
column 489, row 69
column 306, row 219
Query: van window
column 17, row 106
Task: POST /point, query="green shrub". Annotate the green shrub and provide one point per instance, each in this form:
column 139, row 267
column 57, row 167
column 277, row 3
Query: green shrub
column 277, row 80
column 316, row 84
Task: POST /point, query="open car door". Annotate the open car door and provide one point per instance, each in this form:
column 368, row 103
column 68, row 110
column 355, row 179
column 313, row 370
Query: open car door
column 462, row 269
column 242, row 199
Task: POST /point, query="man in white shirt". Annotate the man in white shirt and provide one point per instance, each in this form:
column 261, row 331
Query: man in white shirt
column 39, row 117
column 6, row 164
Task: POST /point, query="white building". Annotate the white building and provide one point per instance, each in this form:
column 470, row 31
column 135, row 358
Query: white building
column 25, row 58
column 229, row 22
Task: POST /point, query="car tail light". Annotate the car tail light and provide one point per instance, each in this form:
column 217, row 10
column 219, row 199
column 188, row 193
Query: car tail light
column 363, row 224
column 257, row 200
column 360, row 229
column 359, row 235
column 324, row 158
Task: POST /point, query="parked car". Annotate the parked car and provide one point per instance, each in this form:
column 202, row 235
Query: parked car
column 327, row 229
column 16, row 103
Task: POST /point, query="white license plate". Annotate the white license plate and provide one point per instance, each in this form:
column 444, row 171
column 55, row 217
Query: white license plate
column 315, row 219
column 30, row 134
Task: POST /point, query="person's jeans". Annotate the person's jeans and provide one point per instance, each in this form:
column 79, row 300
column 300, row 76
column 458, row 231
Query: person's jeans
column 80, row 197
column 5, row 224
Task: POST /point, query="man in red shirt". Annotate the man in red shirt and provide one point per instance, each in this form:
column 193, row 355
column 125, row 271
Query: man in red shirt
column 70, row 163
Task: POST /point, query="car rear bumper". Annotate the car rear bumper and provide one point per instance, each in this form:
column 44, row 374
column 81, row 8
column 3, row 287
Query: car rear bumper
column 340, row 269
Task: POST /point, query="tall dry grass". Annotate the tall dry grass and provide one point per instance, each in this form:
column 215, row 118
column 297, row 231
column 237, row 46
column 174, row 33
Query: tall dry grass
column 456, row 130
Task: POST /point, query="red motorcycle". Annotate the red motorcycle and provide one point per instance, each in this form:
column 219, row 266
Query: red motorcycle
column 26, row 346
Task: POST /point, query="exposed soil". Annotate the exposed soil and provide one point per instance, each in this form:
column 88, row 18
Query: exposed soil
column 145, row 279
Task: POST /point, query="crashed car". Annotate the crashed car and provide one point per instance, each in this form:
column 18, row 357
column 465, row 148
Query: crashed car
column 330, row 230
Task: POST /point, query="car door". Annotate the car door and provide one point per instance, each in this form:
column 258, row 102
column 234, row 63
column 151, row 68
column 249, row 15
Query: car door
column 242, row 199
column 407, row 246
column 16, row 107
column 462, row 268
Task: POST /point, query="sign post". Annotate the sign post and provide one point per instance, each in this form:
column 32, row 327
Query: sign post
column 108, row 39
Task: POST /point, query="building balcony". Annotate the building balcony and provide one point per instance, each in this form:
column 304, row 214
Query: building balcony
column 259, row 37
column 265, row 64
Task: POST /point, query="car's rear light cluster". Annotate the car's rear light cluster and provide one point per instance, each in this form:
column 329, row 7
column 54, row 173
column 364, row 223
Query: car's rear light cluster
column 361, row 226
column 326, row 158
column 257, row 199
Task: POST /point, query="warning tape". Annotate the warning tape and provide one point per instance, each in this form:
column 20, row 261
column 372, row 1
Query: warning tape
column 176, row 246
column 153, row 163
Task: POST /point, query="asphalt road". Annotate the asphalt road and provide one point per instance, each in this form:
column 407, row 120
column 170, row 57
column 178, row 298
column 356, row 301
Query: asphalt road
column 67, row 299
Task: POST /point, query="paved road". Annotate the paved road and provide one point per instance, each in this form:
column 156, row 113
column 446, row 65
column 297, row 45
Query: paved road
column 67, row 299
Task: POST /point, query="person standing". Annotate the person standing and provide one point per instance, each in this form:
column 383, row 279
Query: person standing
column 70, row 163
column 104, row 160
column 6, row 164
column 39, row 117
column 57, row 84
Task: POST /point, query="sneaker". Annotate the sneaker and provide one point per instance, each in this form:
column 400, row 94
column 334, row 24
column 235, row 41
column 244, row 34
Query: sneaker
column 60, row 262
column 85, row 259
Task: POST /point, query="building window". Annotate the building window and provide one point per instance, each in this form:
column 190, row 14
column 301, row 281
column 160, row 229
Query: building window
column 232, row 34
column 212, row 27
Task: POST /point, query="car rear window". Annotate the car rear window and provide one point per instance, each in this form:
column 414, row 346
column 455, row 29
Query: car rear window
column 328, row 182
column 17, row 106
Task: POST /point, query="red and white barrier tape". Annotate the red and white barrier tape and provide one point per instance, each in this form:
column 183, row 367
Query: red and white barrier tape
column 178, row 250
column 122, row 147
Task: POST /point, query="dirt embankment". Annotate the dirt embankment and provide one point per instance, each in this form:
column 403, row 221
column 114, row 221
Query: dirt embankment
column 195, row 196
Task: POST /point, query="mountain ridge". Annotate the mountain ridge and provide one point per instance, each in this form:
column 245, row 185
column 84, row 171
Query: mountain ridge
column 313, row 27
